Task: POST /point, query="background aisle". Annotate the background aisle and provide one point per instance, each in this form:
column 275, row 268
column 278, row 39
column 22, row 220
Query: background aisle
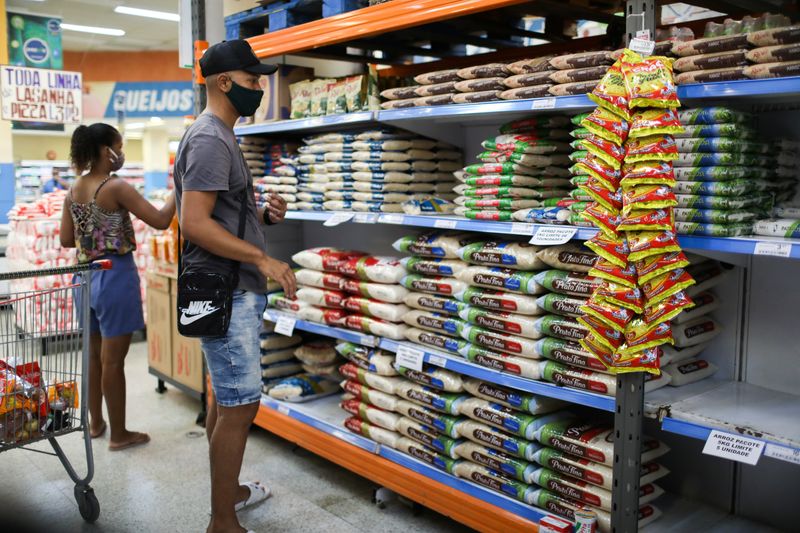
column 164, row 486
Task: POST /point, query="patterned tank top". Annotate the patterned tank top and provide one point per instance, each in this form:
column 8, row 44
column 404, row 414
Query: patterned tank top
column 99, row 232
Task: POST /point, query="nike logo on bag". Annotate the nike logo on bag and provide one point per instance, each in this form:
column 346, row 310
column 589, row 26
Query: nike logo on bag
column 196, row 311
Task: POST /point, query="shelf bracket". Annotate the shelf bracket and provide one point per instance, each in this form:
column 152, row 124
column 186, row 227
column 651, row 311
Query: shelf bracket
column 627, row 452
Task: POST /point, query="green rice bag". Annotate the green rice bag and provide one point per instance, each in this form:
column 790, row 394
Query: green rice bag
column 715, row 216
column 713, row 230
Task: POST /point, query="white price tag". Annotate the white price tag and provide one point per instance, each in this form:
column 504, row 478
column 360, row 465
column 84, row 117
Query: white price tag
column 283, row 409
column 445, row 224
column 338, row 218
column 778, row 249
column 369, row 340
column 521, row 228
column 643, row 34
column 392, row 219
column 544, row 103
column 410, row 357
column 285, row 325
column 437, row 360
column 552, row 235
column 642, row 46
column 365, row 218
column 782, row 453
column 733, row 447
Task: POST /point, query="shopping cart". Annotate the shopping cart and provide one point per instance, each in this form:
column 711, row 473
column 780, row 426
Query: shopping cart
column 44, row 364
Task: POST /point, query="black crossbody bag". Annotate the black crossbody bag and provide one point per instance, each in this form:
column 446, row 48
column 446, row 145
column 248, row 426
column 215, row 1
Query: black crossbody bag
column 205, row 299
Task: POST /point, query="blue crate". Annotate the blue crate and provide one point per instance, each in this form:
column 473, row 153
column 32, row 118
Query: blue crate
column 284, row 14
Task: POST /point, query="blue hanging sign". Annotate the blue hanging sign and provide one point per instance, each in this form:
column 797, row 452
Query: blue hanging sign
column 151, row 99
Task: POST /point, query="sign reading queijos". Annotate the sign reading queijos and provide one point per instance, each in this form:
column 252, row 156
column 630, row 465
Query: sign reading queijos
column 41, row 95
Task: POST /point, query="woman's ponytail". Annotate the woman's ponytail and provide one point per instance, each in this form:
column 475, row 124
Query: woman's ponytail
column 87, row 142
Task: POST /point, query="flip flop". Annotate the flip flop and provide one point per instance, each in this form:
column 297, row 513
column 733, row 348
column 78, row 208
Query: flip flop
column 143, row 438
column 258, row 493
column 99, row 433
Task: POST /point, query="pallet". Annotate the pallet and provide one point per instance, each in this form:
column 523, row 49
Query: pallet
column 284, row 14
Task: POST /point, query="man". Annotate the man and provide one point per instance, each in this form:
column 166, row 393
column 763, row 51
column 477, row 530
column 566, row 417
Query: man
column 210, row 177
column 55, row 183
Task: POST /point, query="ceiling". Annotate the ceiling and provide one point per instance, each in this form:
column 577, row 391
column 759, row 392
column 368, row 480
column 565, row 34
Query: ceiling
column 140, row 33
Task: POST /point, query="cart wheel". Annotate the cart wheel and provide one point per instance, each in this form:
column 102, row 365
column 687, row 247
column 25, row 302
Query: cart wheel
column 87, row 503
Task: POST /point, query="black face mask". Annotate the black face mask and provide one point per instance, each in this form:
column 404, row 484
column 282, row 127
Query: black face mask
column 244, row 100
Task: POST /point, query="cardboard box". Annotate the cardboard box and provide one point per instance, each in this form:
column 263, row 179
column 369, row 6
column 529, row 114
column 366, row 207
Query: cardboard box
column 159, row 324
column 187, row 358
column 276, row 103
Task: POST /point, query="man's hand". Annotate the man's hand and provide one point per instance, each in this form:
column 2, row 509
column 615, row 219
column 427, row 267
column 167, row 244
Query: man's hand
column 280, row 272
column 276, row 208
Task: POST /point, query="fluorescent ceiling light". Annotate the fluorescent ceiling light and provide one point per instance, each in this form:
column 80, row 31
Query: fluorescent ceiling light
column 93, row 29
column 149, row 13
column 134, row 126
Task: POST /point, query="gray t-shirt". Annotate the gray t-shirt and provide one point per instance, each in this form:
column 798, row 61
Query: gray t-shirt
column 209, row 159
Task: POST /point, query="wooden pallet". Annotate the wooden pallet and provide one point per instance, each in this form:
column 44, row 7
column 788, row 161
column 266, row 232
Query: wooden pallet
column 284, row 14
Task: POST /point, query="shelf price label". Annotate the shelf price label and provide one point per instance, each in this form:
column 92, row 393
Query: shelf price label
column 392, row 219
column 365, row 218
column 338, row 218
column 409, row 357
column 552, row 235
column 642, row 46
column 777, row 249
column 283, row 409
column 544, row 103
column 782, row 453
column 734, row 447
column 285, row 325
column 445, row 223
column 437, row 360
column 368, row 340
column 521, row 228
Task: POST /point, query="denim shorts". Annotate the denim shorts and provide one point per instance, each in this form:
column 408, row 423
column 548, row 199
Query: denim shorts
column 116, row 298
column 234, row 360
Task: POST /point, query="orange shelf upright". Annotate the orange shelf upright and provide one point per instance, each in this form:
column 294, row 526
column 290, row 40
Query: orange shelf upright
column 461, row 507
column 368, row 22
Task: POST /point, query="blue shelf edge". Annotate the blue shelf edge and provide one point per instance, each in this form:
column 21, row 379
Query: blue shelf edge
column 497, row 499
column 456, row 364
column 735, row 245
column 326, row 427
column 699, row 432
column 286, row 126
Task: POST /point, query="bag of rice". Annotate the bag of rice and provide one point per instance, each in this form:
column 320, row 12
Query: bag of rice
column 573, row 489
column 302, row 388
column 321, row 297
column 509, row 323
column 428, row 436
column 435, row 340
column 387, row 402
column 372, row 432
column 439, row 76
column 432, row 267
column 433, row 285
column 561, row 304
column 508, row 419
column 494, row 438
column 515, row 399
column 279, row 301
column 374, row 326
column 325, row 259
column 331, row 317
column 579, row 378
column 519, row 366
column 372, row 268
column 529, row 79
column 373, row 359
column 440, row 401
column 696, row 331
column 281, row 369
column 499, row 301
column 500, row 342
column 386, row 177
column 507, row 465
column 581, row 60
column 434, row 377
column 371, row 414
column 382, row 292
column 427, row 455
column 275, row 341
column 538, row 64
column 385, row 384
column 689, row 371
column 561, row 327
column 670, row 354
column 704, row 303
column 444, row 424
column 514, row 255
column 319, row 352
column 400, row 93
column 269, row 357
column 500, row 278
column 374, row 308
column 425, row 302
column 569, row 353
column 435, row 322
column 570, row 283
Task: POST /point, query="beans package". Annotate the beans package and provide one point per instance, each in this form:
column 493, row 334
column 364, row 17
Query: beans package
column 706, row 76
column 525, row 66
column 528, row 79
column 436, row 89
column 709, row 45
column 579, row 74
column 581, row 60
column 484, row 71
column 718, row 60
column 772, row 70
column 400, row 93
column 476, row 96
column 522, row 93
column 775, row 36
column 440, row 76
column 580, row 87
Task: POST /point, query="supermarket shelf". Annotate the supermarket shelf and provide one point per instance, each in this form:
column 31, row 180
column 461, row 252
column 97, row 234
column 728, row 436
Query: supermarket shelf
column 739, row 408
column 684, row 515
column 734, row 245
column 774, row 89
column 329, row 122
column 317, row 426
column 457, row 364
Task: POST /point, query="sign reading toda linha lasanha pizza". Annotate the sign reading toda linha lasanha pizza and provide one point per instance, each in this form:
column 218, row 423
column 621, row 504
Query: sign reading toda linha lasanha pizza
column 40, row 95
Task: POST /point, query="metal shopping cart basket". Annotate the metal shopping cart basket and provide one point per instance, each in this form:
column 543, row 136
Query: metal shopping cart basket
column 44, row 364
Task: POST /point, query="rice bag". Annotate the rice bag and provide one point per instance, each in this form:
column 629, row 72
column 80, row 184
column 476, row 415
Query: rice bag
column 507, row 419
column 371, row 414
column 325, row 259
column 500, row 278
column 372, row 432
column 494, row 438
column 447, row 403
column 374, row 326
column 434, row 244
column 499, row 342
column 434, row 377
column 436, row 322
column 498, row 300
column 377, row 291
column 514, row 255
column 436, row 340
column 512, row 324
column 370, row 359
column 560, row 327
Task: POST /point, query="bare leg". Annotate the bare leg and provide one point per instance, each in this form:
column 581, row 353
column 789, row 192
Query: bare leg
column 114, row 351
column 226, row 452
column 97, row 424
column 242, row 492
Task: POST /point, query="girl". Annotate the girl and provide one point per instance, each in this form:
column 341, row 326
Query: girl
column 96, row 220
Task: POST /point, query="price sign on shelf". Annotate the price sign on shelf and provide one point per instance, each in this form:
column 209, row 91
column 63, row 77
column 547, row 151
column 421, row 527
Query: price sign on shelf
column 544, row 103
column 410, row 357
column 444, row 223
column 777, row 249
column 338, row 218
column 365, row 218
column 285, row 325
column 283, row 409
column 642, row 46
column 734, row 447
column 392, row 219
column 552, row 235
column 438, row 360
column 521, row 228
column 368, row 340
column 782, row 453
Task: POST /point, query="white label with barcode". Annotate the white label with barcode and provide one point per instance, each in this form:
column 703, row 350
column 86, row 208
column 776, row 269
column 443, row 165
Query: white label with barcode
column 782, row 453
column 437, row 360
column 521, row 228
column 777, row 249
column 392, row 219
column 544, row 103
column 365, row 218
column 410, row 357
column 445, row 224
column 642, row 46
column 285, row 325
column 368, row 340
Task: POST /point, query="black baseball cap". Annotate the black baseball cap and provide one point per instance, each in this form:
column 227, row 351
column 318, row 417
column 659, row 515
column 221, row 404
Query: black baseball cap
column 233, row 55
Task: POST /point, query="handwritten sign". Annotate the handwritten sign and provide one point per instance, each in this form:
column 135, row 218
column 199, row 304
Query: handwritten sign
column 41, row 95
column 410, row 357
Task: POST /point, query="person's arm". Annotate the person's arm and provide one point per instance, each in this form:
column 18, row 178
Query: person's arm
column 203, row 231
column 67, row 232
column 129, row 198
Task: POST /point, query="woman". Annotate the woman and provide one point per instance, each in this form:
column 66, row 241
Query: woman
column 96, row 220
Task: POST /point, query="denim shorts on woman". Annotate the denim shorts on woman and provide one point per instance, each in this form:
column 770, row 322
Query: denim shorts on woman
column 234, row 360
column 116, row 298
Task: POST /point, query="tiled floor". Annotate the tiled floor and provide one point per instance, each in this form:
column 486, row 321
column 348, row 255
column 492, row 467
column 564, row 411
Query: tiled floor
column 163, row 487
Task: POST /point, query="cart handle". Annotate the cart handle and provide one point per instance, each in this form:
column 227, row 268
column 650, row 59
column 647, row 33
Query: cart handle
column 103, row 264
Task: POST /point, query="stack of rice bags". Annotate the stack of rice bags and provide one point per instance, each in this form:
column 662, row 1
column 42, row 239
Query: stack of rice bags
column 282, row 179
column 482, row 83
column 523, row 446
column 579, row 171
column 726, row 178
column 316, row 378
column 415, row 412
column 349, row 289
column 522, row 169
column 373, row 171
column 785, row 222
column 277, row 356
